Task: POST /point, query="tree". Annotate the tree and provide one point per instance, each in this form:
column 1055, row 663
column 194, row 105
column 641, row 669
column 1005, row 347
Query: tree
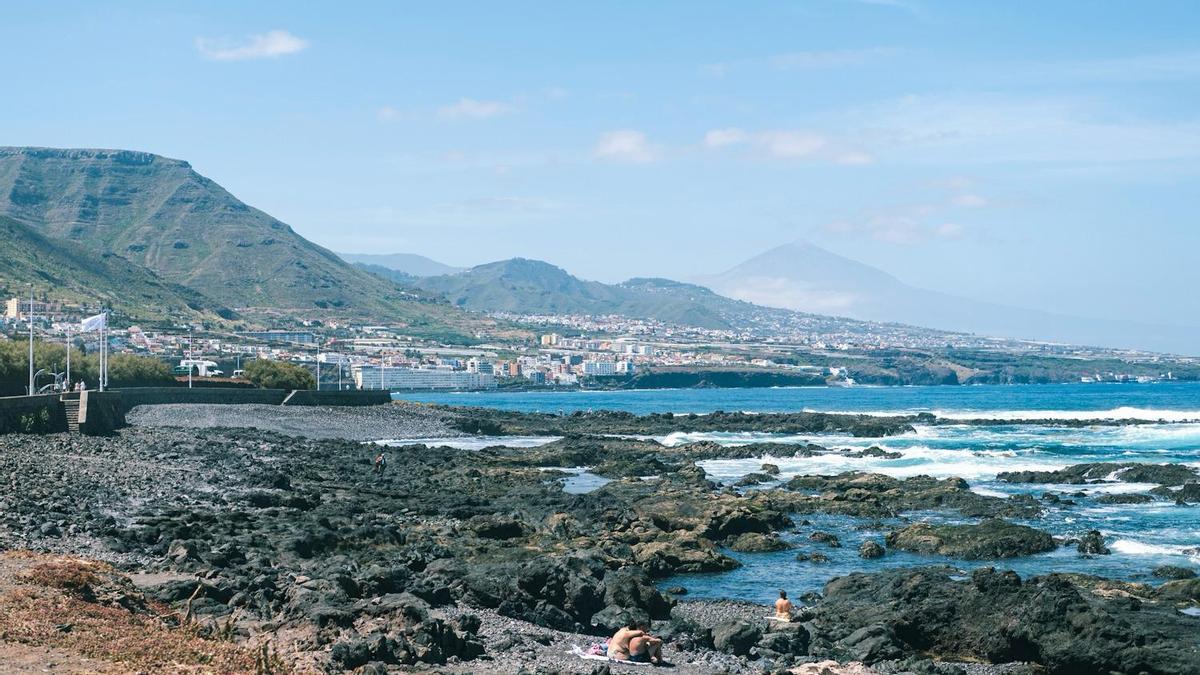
column 278, row 375
column 14, row 365
column 129, row 370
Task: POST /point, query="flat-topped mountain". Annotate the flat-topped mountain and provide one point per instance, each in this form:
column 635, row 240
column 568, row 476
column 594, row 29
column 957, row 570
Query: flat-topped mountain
column 160, row 213
column 65, row 270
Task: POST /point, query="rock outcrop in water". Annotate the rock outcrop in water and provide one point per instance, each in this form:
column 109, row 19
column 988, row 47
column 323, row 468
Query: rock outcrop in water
column 997, row 617
column 1128, row 472
column 992, row 538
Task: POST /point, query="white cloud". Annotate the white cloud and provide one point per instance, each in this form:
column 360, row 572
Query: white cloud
column 469, row 108
column 804, row 60
column 949, row 230
column 717, row 138
column 389, row 114
column 626, row 145
column 970, row 201
column 788, row 144
column 854, row 158
column 995, row 129
column 828, row 59
column 272, row 44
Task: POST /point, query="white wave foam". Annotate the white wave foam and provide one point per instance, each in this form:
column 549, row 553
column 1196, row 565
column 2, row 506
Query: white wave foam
column 913, row 461
column 1134, row 547
column 1121, row 413
column 473, row 442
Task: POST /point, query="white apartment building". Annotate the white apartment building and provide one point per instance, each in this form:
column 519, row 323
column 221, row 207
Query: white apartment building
column 390, row 378
column 599, row 368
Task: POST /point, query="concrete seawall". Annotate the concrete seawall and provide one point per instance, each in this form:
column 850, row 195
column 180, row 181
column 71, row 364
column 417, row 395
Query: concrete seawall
column 40, row 414
column 103, row 412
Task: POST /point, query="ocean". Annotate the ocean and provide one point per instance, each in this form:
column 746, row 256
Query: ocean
column 1141, row 536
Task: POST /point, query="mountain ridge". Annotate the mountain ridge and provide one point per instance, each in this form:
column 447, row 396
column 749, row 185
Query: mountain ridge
column 803, row 277
column 64, row 270
column 162, row 214
column 521, row 285
column 410, row 264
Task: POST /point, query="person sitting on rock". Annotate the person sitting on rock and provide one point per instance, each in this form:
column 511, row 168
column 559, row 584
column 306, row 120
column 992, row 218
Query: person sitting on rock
column 634, row 643
column 783, row 607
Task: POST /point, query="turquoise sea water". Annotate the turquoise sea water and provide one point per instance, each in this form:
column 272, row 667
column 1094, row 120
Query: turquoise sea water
column 1141, row 536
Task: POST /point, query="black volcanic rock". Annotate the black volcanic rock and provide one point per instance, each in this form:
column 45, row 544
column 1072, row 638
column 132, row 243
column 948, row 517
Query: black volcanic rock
column 993, row 538
column 1129, row 472
column 1063, row 626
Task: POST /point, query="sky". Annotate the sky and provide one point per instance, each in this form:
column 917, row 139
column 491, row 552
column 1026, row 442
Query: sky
column 1037, row 154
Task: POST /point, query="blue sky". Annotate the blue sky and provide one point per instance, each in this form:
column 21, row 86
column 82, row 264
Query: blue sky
column 1037, row 154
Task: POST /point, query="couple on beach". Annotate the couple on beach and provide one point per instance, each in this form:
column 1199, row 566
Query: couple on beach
column 634, row 643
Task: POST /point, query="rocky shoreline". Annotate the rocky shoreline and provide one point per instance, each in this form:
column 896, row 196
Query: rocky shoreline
column 478, row 561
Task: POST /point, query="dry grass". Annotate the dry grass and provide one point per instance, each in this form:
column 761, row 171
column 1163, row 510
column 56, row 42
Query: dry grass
column 67, row 604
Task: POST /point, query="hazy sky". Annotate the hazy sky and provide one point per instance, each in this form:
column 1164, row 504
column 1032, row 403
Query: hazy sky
column 1044, row 154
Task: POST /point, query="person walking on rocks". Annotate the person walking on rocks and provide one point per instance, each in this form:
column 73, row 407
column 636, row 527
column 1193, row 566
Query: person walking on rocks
column 380, row 463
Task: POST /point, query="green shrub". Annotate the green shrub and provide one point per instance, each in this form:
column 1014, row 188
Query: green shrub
column 278, row 375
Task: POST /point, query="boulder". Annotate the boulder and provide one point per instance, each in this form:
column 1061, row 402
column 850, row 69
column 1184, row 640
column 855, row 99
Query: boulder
column 1174, row 572
column 991, row 538
column 1127, row 498
column 1092, row 543
column 871, row 549
column 612, row 618
column 753, row 542
column 631, row 588
column 996, row 617
column 827, row 538
column 870, row 644
column 785, row 639
column 496, row 527
column 735, row 636
column 1129, row 472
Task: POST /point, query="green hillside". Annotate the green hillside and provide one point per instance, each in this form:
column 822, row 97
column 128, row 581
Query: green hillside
column 535, row 287
column 160, row 213
column 67, row 271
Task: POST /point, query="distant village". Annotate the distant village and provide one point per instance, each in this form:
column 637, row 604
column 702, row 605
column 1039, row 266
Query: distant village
column 579, row 351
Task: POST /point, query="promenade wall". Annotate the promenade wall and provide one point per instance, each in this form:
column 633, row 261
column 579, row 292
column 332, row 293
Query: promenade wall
column 40, row 414
column 104, row 412
column 345, row 397
column 136, row 396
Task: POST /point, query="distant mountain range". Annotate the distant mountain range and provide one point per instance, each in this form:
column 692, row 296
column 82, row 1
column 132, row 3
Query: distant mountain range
column 805, row 277
column 150, row 236
column 160, row 214
column 408, row 264
column 535, row 287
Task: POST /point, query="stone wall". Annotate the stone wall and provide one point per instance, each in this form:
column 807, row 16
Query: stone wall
column 101, row 412
column 104, row 412
column 136, row 396
column 345, row 397
column 32, row 414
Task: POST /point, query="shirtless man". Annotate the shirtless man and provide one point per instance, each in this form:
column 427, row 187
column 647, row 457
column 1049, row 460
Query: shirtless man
column 783, row 607
column 634, row 643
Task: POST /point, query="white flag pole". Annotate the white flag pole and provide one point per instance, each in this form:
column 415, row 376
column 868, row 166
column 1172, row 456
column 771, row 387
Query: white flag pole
column 103, row 351
column 67, row 384
column 31, row 339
